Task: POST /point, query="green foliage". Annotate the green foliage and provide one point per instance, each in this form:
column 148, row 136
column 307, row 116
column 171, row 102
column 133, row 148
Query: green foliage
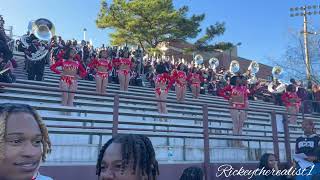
column 211, row 32
column 150, row 22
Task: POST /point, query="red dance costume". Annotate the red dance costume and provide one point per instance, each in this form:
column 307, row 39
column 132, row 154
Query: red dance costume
column 291, row 99
column 95, row 64
column 230, row 91
column 163, row 78
column 180, row 78
column 68, row 65
column 195, row 76
column 124, row 61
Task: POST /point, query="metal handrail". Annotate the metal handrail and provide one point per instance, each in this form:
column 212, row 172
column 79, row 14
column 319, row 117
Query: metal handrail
column 205, row 127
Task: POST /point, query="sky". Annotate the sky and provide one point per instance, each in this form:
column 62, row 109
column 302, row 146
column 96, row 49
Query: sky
column 262, row 26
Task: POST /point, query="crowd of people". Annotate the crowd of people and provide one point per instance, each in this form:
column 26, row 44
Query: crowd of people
column 73, row 61
column 25, row 141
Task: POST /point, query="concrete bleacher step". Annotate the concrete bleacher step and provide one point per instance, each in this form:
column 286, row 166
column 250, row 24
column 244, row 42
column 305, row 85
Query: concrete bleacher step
column 89, row 123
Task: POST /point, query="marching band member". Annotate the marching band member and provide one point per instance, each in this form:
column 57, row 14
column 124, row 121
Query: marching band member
column 292, row 103
column 237, row 94
column 35, row 68
column 68, row 81
column 195, row 78
column 102, row 67
column 180, row 78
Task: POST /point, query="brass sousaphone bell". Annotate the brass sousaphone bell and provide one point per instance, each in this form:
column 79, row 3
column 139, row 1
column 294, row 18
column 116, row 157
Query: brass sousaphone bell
column 214, row 63
column 234, row 67
column 198, row 60
column 44, row 30
column 273, row 87
column 254, row 69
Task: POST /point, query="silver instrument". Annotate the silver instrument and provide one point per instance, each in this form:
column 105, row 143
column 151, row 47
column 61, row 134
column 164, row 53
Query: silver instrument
column 254, row 69
column 44, row 30
column 234, row 67
column 276, row 86
column 198, row 59
column 214, row 63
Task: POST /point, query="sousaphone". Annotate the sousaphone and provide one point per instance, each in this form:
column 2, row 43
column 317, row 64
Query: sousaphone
column 43, row 30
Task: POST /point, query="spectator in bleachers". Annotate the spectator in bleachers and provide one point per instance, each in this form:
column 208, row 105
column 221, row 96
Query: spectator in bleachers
column 3, row 36
column 309, row 144
column 127, row 157
column 192, row 173
column 268, row 161
column 303, row 95
column 316, row 98
column 24, row 141
column 292, row 103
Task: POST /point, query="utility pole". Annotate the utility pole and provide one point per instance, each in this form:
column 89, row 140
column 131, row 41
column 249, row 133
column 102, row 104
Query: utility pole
column 305, row 11
column 84, row 33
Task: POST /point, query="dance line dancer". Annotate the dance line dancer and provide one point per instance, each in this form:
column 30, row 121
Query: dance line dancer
column 163, row 83
column 237, row 93
column 102, row 66
column 68, row 80
column 195, row 78
column 180, row 78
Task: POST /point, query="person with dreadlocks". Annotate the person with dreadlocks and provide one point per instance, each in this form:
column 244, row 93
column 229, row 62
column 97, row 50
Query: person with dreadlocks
column 127, row 157
column 192, row 173
column 24, row 141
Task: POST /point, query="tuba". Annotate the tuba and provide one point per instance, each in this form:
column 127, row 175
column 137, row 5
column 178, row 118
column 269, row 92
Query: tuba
column 198, row 60
column 234, row 67
column 214, row 63
column 43, row 30
column 276, row 86
column 254, row 69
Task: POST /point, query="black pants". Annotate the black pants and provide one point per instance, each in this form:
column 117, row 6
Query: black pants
column 36, row 70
